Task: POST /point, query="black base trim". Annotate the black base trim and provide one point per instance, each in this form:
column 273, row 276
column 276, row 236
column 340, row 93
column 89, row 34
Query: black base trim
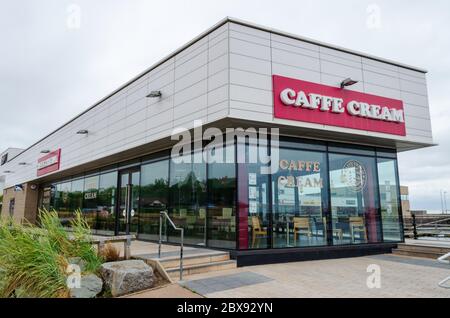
column 274, row 256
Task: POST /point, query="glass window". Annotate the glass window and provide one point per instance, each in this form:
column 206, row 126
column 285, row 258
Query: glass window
column 107, row 196
column 154, row 197
column 90, row 206
column 222, row 204
column 188, row 201
column 351, row 149
column 76, row 195
column 354, row 200
column 253, row 200
column 390, row 212
column 387, row 153
column 299, row 199
column 62, row 202
column 288, row 142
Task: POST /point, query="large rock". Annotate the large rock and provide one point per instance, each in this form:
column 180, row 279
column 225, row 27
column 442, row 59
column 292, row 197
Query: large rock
column 91, row 285
column 127, row 277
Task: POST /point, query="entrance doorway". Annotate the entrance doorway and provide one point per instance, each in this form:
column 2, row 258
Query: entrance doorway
column 128, row 201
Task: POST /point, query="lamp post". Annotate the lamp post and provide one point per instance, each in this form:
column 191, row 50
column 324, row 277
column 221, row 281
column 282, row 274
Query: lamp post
column 442, row 202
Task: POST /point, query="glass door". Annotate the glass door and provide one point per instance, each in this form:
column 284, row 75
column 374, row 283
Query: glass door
column 128, row 207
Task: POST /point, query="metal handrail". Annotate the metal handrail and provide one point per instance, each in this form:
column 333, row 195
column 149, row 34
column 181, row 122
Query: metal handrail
column 444, row 260
column 166, row 216
column 435, row 223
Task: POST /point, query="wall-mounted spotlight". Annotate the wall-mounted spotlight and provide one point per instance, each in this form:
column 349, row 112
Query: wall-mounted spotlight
column 154, row 94
column 348, row 82
column 23, row 164
column 7, row 171
column 45, row 151
column 82, row 132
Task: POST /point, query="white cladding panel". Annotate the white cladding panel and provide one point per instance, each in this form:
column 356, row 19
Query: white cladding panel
column 194, row 86
column 253, row 61
column 227, row 73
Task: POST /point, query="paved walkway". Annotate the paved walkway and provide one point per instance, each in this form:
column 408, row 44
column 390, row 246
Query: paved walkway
column 400, row 277
column 169, row 291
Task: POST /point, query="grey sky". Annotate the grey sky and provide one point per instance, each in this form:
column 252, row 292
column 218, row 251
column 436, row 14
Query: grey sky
column 49, row 71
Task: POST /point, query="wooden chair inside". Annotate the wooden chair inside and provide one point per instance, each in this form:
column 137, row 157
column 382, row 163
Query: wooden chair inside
column 357, row 225
column 257, row 230
column 302, row 226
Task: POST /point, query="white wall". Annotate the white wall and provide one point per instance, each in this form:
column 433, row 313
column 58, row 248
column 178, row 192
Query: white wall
column 227, row 73
column 256, row 55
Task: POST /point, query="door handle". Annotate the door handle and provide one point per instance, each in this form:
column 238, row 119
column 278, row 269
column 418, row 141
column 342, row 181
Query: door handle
column 128, row 204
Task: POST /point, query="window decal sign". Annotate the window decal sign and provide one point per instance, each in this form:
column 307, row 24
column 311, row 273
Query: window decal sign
column 327, row 105
column 49, row 163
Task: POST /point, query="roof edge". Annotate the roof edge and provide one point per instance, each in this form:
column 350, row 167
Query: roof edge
column 199, row 37
column 328, row 45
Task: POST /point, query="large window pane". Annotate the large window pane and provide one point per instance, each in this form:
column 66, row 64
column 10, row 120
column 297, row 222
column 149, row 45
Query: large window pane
column 106, row 219
column 253, row 201
column 222, row 204
column 90, row 207
column 62, row 202
column 387, row 175
column 188, row 201
column 154, row 198
column 354, row 200
column 299, row 199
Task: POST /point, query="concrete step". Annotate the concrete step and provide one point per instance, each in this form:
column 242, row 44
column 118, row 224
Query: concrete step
column 188, row 260
column 423, row 251
column 174, row 273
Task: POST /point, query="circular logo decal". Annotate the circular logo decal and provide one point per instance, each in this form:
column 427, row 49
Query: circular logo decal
column 354, row 175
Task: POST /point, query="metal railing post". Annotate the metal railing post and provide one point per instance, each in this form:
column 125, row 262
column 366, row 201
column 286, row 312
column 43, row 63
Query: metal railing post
column 414, row 227
column 166, row 217
column 181, row 254
column 160, row 234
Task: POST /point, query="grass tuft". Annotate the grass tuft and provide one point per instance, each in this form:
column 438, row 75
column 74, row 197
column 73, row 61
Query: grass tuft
column 33, row 260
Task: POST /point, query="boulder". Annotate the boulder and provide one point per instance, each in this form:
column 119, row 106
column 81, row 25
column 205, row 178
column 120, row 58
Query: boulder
column 91, row 285
column 127, row 277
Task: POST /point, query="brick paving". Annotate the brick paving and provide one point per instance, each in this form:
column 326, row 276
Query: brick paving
column 400, row 277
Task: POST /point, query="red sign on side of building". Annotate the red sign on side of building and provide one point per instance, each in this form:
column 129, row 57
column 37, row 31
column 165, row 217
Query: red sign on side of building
column 49, row 163
column 320, row 104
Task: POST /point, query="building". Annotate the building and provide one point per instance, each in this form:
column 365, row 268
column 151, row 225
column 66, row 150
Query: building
column 404, row 196
column 335, row 120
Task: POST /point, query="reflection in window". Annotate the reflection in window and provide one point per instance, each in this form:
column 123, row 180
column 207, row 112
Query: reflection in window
column 90, row 206
column 253, row 189
column 299, row 198
column 354, row 200
column 390, row 214
column 188, row 200
column 154, row 196
column 106, row 219
column 221, row 204
column 62, row 203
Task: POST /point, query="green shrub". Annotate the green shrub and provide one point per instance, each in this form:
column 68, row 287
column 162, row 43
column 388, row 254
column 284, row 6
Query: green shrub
column 33, row 260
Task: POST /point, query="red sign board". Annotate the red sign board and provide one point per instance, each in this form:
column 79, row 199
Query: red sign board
column 320, row 104
column 49, row 163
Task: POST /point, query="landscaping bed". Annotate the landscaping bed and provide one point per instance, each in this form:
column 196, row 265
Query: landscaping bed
column 47, row 262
